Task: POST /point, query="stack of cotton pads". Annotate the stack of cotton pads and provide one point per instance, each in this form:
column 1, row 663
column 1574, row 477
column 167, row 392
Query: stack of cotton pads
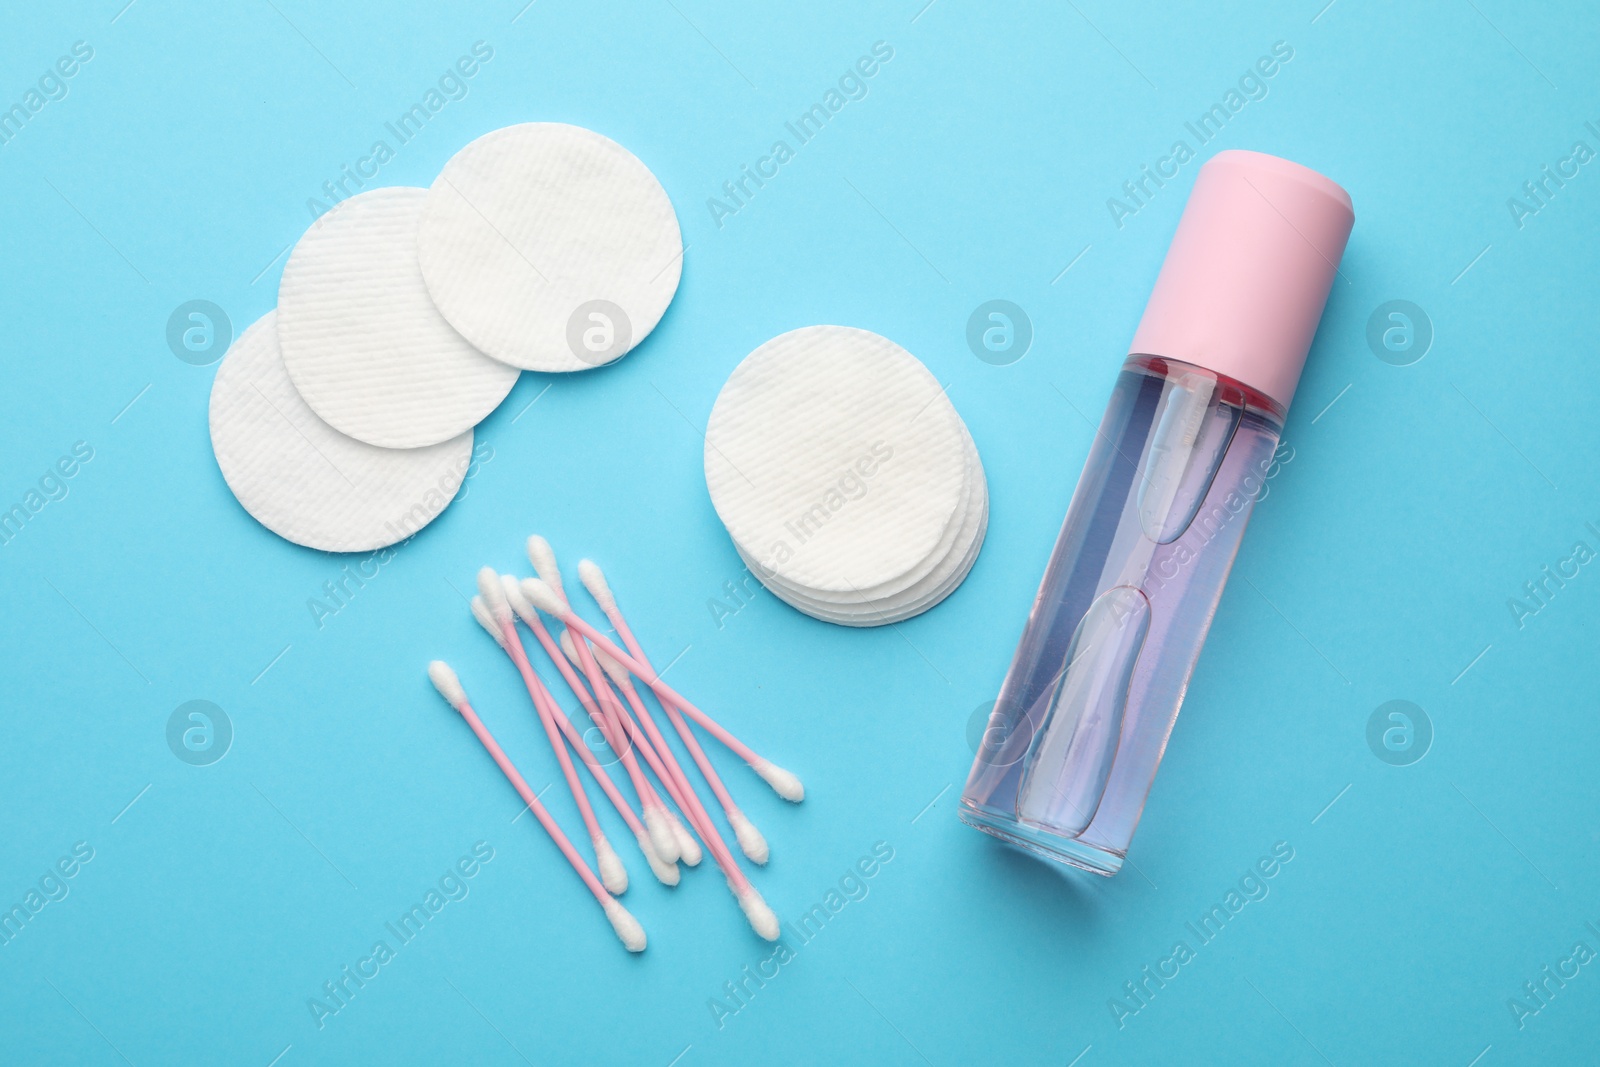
column 845, row 477
column 344, row 419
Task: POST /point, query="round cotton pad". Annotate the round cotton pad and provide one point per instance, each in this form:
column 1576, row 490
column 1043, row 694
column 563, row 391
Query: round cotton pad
column 306, row 481
column 550, row 247
column 947, row 574
column 871, row 613
column 900, row 599
column 951, row 542
column 361, row 339
column 845, row 477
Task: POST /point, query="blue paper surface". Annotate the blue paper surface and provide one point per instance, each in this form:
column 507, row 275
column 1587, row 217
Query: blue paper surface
column 1421, row 546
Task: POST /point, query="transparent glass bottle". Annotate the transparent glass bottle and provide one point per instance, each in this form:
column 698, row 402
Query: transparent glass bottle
column 1183, row 454
column 1181, row 457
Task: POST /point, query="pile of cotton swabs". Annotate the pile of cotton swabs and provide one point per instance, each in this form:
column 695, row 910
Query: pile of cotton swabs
column 601, row 675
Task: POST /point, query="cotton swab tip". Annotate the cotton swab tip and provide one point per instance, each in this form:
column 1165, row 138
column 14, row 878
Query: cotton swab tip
column 750, row 839
column 445, row 681
column 666, row 873
column 519, row 603
column 568, row 647
column 613, row 875
column 543, row 558
column 480, row 611
column 762, row 920
column 626, row 926
column 784, row 783
column 661, row 834
column 688, row 847
column 617, row 672
column 494, row 594
column 544, row 598
column 594, row 580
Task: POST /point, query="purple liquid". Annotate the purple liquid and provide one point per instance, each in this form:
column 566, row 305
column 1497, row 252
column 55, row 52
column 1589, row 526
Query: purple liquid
column 1093, row 691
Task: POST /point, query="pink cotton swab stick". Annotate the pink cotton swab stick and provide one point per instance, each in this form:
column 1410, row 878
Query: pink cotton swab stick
column 612, row 872
column 670, row 840
column 699, row 817
column 666, row 871
column 518, row 605
column 666, row 767
column 761, row 918
column 756, row 909
column 664, row 763
column 751, row 842
column 784, row 783
column 665, row 832
column 449, row 686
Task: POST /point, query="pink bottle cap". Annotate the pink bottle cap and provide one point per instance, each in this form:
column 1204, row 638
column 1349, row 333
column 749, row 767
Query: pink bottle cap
column 1249, row 270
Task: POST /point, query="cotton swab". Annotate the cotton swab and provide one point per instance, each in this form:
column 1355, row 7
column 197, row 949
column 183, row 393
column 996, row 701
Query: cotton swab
column 761, row 917
column 750, row 839
column 669, row 853
column 756, row 911
column 699, row 818
column 543, row 558
column 600, row 663
column 751, row 842
column 784, row 783
column 614, row 874
column 626, row 926
column 665, row 870
column 664, row 829
column 658, row 820
column 661, row 758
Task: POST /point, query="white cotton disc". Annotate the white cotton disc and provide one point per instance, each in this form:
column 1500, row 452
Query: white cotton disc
column 865, row 611
column 835, row 460
column 955, row 541
column 361, row 338
column 939, row 583
column 873, row 613
column 768, row 447
column 550, row 247
column 306, row 481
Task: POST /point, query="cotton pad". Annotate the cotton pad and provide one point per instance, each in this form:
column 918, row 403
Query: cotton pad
column 957, row 533
column 306, row 481
column 361, row 339
column 550, row 247
column 845, row 477
column 866, row 609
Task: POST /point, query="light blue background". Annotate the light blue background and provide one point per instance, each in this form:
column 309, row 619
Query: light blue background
column 978, row 167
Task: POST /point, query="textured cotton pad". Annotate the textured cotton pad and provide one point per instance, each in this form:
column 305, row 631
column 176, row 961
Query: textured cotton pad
column 901, row 599
column 550, row 247
column 361, row 339
column 942, row 580
column 846, row 479
column 951, row 542
column 882, row 614
column 306, row 481
column 834, row 459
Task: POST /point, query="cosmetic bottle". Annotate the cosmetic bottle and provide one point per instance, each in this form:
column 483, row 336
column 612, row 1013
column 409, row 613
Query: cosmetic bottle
column 1186, row 448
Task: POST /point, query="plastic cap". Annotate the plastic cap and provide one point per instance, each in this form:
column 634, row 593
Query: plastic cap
column 1245, row 281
